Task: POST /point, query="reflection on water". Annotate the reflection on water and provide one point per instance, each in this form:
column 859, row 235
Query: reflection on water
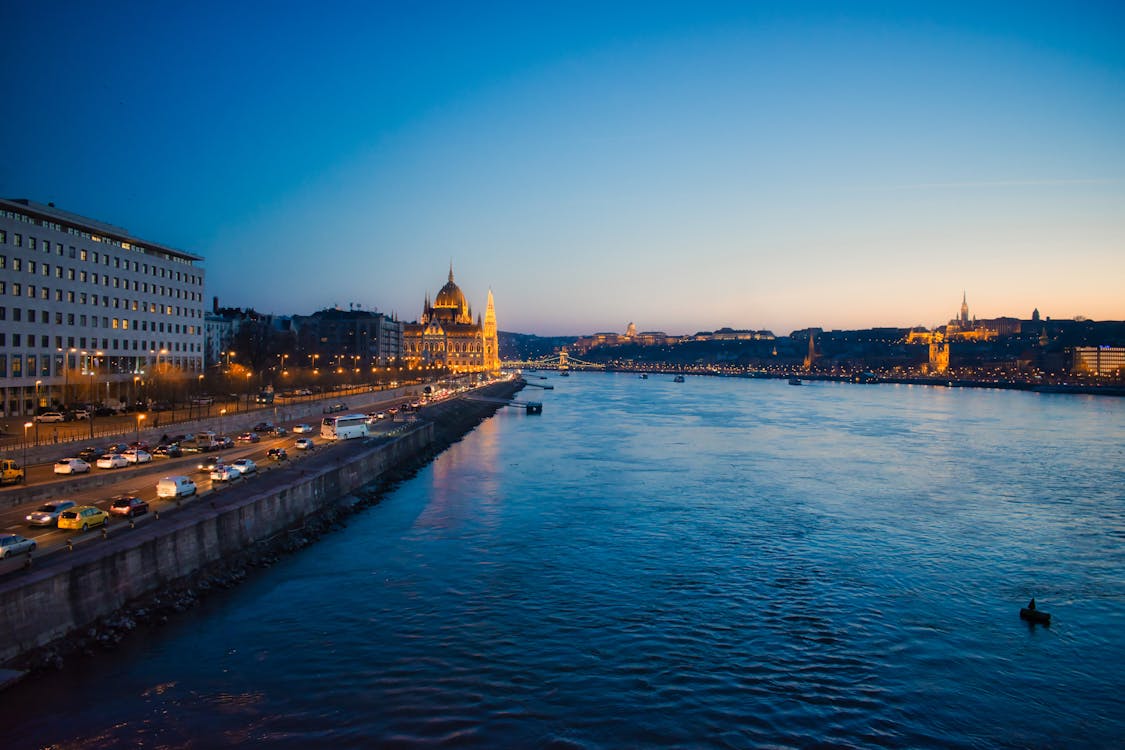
column 449, row 502
column 715, row 563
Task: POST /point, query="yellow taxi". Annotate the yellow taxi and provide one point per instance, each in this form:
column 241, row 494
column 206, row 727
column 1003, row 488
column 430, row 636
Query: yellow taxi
column 83, row 517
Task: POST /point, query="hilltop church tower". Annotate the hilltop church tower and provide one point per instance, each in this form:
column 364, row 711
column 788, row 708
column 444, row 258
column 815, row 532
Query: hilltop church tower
column 939, row 353
column 964, row 311
column 810, row 357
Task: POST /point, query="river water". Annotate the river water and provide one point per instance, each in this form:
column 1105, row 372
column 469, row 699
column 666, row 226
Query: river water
column 715, row 563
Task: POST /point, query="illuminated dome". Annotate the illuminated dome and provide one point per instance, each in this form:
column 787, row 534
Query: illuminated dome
column 451, row 295
column 450, row 304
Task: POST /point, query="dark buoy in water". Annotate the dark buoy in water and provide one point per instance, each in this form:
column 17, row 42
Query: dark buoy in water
column 1031, row 614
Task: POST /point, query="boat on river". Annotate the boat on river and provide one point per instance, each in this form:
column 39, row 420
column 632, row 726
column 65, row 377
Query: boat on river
column 794, row 381
column 678, row 379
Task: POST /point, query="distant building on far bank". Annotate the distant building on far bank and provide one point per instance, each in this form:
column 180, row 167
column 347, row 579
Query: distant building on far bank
column 660, row 338
column 731, row 334
column 1102, row 361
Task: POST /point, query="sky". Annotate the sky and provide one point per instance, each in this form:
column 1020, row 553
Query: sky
column 681, row 165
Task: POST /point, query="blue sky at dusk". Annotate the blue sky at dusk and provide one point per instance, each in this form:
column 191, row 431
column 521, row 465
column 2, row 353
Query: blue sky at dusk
column 686, row 166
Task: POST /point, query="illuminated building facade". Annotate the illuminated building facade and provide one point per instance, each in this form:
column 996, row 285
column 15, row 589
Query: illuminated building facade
column 446, row 335
column 1102, row 361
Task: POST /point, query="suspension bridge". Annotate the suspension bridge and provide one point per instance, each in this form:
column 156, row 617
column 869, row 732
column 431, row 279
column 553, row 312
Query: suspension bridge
column 561, row 361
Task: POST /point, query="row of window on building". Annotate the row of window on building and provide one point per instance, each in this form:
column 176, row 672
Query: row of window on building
column 81, row 319
column 103, row 258
column 115, row 282
column 17, row 340
column 47, row 365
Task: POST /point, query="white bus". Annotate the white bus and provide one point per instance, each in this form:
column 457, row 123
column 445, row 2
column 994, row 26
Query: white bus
column 344, row 427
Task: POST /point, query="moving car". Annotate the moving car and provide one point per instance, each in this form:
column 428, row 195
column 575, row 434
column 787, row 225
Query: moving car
column 263, row 427
column 11, row 472
column 277, row 454
column 245, row 466
column 50, row 416
column 303, row 444
column 177, row 486
column 209, row 463
column 83, row 517
column 71, row 466
column 48, row 513
column 137, row 456
column 112, row 461
column 92, row 453
column 128, row 505
column 302, row 429
column 248, row 437
column 172, row 450
column 14, row 544
column 224, row 473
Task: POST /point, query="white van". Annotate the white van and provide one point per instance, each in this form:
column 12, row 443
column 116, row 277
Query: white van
column 180, row 486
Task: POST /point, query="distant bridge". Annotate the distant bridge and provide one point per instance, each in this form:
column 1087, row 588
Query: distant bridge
column 561, row 361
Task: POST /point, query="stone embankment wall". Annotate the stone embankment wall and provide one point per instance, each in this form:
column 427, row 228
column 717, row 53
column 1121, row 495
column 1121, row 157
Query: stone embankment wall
column 96, row 580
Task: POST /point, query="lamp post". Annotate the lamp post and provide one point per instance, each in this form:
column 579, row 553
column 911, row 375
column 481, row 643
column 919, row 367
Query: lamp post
column 222, row 413
column 25, row 426
column 164, row 353
column 66, row 370
column 37, row 384
column 62, row 356
column 140, row 418
column 200, row 398
column 96, row 362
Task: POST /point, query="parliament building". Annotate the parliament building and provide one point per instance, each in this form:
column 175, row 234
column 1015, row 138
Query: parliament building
column 446, row 336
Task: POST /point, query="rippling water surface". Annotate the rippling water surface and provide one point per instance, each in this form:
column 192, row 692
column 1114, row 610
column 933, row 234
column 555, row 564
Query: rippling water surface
column 717, row 563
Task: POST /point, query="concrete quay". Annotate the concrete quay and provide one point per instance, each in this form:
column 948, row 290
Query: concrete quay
column 65, row 593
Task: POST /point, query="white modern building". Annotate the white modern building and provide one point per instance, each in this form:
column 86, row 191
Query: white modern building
column 91, row 314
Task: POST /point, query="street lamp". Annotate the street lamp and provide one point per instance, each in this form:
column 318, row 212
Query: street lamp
column 37, row 384
column 25, row 426
column 222, row 413
column 140, row 418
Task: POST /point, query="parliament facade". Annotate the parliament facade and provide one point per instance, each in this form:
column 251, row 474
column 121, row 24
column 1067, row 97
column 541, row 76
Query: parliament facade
column 446, row 336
